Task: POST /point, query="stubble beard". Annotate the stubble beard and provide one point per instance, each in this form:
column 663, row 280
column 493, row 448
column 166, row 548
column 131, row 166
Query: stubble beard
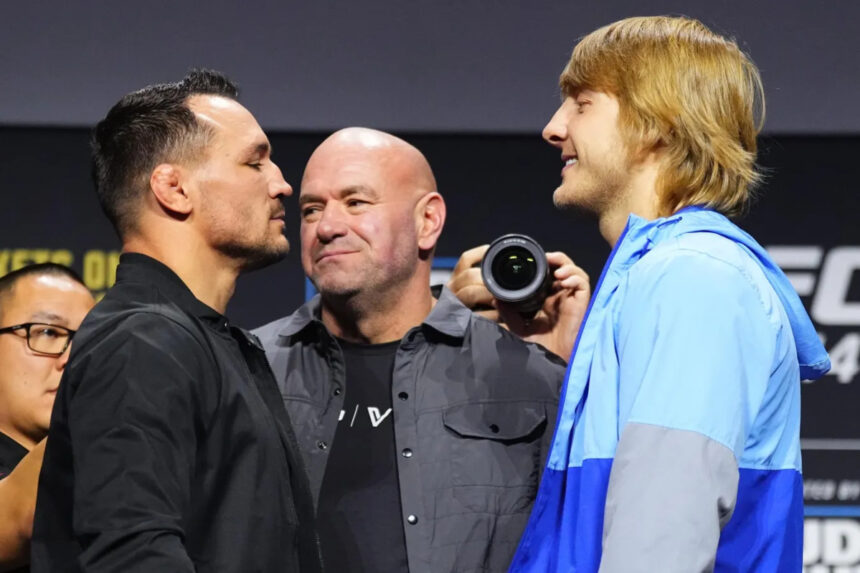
column 369, row 288
column 251, row 257
column 598, row 194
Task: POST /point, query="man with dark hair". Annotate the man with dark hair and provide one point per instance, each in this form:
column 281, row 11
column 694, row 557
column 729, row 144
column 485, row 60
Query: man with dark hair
column 41, row 307
column 423, row 426
column 170, row 449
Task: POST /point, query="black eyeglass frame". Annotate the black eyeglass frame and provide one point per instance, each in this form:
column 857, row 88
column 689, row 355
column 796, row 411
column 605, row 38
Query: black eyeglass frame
column 28, row 325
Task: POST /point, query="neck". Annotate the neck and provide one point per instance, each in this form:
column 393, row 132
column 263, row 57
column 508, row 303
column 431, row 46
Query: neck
column 640, row 198
column 208, row 274
column 378, row 317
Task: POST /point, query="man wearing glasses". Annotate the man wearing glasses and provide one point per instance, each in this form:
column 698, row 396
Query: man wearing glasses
column 41, row 306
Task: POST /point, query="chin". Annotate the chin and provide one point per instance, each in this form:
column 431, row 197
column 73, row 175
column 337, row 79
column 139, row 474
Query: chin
column 254, row 259
column 563, row 198
column 334, row 287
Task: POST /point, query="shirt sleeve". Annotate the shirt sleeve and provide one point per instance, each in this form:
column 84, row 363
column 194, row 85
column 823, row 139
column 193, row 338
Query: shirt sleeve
column 132, row 418
column 695, row 348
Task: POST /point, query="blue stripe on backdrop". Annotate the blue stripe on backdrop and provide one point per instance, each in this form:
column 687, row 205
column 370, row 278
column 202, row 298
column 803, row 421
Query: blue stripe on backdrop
column 831, row 511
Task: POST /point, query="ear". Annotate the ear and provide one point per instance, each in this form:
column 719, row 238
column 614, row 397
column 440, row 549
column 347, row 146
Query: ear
column 165, row 182
column 430, row 217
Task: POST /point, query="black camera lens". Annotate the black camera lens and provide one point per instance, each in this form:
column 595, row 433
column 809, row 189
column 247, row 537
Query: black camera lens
column 514, row 267
column 516, row 272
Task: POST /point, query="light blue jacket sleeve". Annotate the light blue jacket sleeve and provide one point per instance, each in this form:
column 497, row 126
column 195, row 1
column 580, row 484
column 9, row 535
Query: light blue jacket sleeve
column 695, row 342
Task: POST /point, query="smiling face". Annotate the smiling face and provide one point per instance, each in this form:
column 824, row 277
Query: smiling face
column 238, row 186
column 597, row 170
column 360, row 202
column 29, row 381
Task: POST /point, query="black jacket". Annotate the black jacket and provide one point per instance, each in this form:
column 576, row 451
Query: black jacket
column 169, row 447
column 474, row 412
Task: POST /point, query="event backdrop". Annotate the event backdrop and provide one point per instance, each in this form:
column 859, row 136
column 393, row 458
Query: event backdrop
column 806, row 215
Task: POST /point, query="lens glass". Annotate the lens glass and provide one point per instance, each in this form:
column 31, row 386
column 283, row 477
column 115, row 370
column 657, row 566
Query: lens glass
column 514, row 268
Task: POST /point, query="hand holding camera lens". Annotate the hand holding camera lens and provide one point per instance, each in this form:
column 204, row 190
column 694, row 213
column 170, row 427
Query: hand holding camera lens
column 562, row 295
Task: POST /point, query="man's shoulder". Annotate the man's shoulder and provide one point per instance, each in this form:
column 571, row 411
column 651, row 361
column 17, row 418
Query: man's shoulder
column 115, row 322
column 504, row 343
column 704, row 271
column 701, row 257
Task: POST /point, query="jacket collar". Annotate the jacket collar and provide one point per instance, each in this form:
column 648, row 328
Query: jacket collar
column 140, row 268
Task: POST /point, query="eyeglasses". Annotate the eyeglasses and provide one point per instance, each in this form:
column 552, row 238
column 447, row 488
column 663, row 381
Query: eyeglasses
column 47, row 339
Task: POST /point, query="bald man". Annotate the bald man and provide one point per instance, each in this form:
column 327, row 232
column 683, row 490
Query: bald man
column 423, row 426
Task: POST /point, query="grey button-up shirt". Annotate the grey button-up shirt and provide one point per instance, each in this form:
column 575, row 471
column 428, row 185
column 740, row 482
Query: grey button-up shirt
column 473, row 404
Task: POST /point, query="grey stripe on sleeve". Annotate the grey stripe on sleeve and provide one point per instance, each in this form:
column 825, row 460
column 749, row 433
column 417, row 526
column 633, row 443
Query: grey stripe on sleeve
column 670, row 494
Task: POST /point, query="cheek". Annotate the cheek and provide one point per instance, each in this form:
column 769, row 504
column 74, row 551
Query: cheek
column 307, row 236
column 27, row 380
column 368, row 225
column 307, row 233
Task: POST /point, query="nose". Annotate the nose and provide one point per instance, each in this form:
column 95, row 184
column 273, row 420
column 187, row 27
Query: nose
column 278, row 186
column 331, row 224
column 555, row 132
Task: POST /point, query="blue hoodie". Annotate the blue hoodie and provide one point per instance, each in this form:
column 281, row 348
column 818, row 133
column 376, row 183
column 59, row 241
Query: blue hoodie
column 687, row 367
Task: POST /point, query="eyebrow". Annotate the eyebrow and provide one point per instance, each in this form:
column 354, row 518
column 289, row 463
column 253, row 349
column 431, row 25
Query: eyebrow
column 262, row 148
column 50, row 316
column 342, row 194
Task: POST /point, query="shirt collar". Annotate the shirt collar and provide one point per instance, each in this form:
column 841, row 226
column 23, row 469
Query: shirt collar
column 449, row 316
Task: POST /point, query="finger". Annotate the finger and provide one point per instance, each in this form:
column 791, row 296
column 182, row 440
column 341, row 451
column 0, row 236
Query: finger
column 558, row 259
column 574, row 283
column 464, row 279
column 492, row 315
column 473, row 296
column 469, row 258
column 569, row 270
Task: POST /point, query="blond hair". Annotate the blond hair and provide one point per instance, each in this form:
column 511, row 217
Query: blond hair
column 687, row 90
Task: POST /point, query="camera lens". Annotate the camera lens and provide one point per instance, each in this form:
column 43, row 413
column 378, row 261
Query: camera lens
column 516, row 272
column 514, row 268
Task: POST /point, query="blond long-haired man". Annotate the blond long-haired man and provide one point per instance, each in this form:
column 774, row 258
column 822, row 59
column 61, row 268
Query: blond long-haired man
column 677, row 447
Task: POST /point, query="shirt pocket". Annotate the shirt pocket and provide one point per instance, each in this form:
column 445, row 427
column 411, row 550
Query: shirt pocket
column 495, row 454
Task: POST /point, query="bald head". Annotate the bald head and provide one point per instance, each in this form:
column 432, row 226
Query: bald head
column 371, row 216
column 404, row 166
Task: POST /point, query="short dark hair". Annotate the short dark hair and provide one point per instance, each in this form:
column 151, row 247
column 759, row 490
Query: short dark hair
column 143, row 129
column 9, row 280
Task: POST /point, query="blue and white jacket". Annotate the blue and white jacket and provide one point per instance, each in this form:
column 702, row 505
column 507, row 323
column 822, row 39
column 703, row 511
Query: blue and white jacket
column 677, row 446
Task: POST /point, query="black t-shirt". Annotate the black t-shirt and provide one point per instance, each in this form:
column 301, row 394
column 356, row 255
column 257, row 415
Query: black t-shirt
column 11, row 452
column 359, row 515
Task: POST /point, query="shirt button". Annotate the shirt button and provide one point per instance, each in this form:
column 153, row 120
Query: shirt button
column 337, row 391
column 412, row 519
column 494, row 428
column 322, row 445
column 406, row 453
column 403, row 396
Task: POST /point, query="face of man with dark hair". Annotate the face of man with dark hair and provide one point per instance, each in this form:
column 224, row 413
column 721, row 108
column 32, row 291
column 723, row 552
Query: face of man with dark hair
column 596, row 169
column 29, row 380
column 238, row 186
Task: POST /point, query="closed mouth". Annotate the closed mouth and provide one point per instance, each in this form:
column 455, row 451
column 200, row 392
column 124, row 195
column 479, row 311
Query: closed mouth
column 329, row 254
